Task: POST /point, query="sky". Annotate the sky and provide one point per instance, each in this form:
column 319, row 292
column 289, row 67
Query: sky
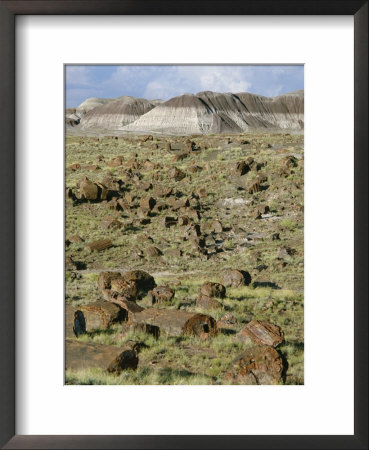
column 164, row 82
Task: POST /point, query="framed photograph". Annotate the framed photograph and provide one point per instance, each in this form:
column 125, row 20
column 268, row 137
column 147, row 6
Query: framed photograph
column 185, row 225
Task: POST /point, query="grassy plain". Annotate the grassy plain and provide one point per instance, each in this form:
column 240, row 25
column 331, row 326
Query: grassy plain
column 246, row 243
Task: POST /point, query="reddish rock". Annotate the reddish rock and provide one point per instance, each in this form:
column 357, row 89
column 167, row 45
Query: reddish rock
column 115, row 162
column 254, row 187
column 206, row 302
column 257, row 365
column 176, row 174
column 153, row 252
column 110, row 223
column 98, row 316
column 161, row 295
column 262, row 333
column 147, row 203
column 144, row 281
column 100, row 245
column 75, row 238
column 125, row 288
column 236, row 278
column 105, row 278
column 173, row 253
column 210, row 289
column 169, row 221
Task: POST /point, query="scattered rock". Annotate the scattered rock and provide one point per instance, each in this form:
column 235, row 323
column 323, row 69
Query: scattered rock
column 217, row 226
column 169, row 221
column 125, row 288
column 206, row 302
column 160, row 295
column 257, row 365
column 176, row 174
column 70, row 264
column 262, row 333
column 144, row 281
column 241, row 168
column 97, row 316
column 110, row 223
column 236, row 278
column 100, row 245
column 75, row 238
column 147, row 203
column 254, row 187
column 289, row 161
column 173, row 253
column 176, row 323
column 105, row 278
column 210, row 289
column 85, row 355
column 153, row 252
column 89, row 190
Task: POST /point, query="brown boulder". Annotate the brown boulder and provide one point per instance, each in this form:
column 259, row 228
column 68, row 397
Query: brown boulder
column 110, row 223
column 176, row 174
column 241, row 168
column 236, row 278
column 74, row 167
column 183, row 221
column 97, row 316
column 153, row 252
column 89, row 190
column 227, row 320
column 169, row 221
column 125, row 288
column 129, row 307
column 144, row 281
column 257, row 365
column 70, row 264
column 254, row 187
column 210, row 289
column 217, row 226
column 100, row 245
column 160, row 295
column 173, row 253
column 147, row 203
column 75, row 238
column 110, row 358
column 105, row 278
column 115, row 162
column 205, row 302
column 289, row 161
column 262, row 333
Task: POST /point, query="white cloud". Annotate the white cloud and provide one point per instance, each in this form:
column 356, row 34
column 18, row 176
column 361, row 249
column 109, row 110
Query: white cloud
column 182, row 79
column 77, row 76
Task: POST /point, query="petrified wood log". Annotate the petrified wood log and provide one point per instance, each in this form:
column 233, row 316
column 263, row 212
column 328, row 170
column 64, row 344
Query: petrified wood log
column 258, row 365
column 236, row 278
column 104, row 281
column 84, row 355
column 176, row 323
column 205, row 302
column 160, row 295
column 97, row 316
column 262, row 333
column 210, row 289
column 100, row 245
column 129, row 307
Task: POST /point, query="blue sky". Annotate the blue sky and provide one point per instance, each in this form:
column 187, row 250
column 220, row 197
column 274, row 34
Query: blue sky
column 164, row 82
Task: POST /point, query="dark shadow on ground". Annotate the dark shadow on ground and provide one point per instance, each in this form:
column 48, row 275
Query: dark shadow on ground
column 270, row 284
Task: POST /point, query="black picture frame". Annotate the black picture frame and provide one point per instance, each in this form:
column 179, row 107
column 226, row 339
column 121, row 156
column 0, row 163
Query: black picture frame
column 8, row 11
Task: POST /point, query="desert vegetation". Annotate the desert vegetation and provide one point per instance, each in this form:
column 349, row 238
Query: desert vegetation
column 184, row 259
